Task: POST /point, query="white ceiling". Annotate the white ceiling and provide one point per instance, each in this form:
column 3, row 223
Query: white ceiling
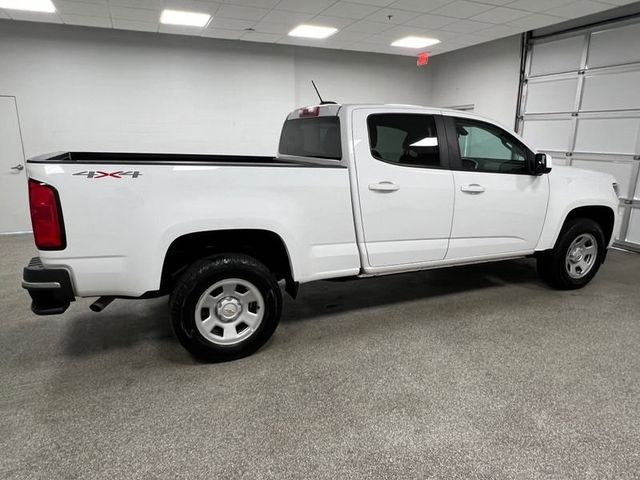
column 364, row 25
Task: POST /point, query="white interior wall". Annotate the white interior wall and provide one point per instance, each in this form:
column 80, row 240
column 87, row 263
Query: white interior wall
column 486, row 76
column 362, row 78
column 92, row 89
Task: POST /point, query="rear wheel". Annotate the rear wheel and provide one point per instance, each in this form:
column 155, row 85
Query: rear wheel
column 225, row 307
column 577, row 256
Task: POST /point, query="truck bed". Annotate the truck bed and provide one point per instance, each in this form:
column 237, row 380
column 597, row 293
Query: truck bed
column 125, row 158
column 122, row 211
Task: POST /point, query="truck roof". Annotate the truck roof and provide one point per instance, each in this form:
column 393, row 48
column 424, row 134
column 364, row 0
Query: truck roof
column 332, row 109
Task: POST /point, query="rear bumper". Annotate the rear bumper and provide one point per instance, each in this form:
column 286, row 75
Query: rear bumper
column 50, row 288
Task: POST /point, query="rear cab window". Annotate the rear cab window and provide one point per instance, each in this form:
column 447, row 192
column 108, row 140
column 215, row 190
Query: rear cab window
column 316, row 137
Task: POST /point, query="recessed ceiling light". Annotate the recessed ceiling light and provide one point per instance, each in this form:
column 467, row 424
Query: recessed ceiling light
column 180, row 17
column 312, row 31
column 415, row 42
column 29, row 5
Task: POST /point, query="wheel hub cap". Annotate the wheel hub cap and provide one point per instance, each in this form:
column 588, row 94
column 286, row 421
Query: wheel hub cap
column 581, row 255
column 228, row 309
column 577, row 254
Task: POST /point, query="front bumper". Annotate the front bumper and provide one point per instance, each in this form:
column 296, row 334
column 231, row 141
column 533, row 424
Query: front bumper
column 50, row 288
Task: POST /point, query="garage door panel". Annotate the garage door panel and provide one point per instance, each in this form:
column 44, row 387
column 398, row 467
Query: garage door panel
column 558, row 160
column 548, row 134
column 612, row 47
column 614, row 91
column 600, row 67
column 551, row 96
column 607, row 135
column 557, row 56
column 633, row 233
column 623, row 171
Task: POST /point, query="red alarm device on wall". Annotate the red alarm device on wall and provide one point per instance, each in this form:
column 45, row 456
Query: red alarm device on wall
column 423, row 59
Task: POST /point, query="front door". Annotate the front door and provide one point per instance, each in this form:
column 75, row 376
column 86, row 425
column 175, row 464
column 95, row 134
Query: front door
column 499, row 207
column 14, row 210
column 405, row 189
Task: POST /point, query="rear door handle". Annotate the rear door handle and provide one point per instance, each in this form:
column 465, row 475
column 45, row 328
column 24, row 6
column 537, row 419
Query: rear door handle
column 384, row 187
column 473, row 189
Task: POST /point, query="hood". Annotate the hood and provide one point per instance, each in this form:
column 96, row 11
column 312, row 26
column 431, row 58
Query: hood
column 570, row 174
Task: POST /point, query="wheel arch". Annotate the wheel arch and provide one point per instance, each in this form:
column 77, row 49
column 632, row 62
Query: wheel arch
column 603, row 215
column 264, row 245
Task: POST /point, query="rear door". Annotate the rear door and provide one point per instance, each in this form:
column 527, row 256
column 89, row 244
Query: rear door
column 499, row 206
column 404, row 186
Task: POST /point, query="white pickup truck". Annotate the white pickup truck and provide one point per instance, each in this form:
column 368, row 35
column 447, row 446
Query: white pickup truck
column 355, row 191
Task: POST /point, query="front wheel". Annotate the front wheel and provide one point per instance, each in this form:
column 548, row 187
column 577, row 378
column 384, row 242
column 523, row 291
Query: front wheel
column 225, row 307
column 577, row 256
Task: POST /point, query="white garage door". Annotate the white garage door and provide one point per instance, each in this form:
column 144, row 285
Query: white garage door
column 581, row 104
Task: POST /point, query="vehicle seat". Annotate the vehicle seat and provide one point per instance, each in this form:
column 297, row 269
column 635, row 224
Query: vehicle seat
column 426, row 156
column 332, row 142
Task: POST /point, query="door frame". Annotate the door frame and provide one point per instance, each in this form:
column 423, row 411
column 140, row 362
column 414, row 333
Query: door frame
column 456, row 166
column 367, row 268
column 24, row 158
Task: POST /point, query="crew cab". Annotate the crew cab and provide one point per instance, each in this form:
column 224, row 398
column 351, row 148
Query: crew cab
column 354, row 191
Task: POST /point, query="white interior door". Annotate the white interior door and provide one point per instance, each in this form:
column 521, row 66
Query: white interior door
column 14, row 209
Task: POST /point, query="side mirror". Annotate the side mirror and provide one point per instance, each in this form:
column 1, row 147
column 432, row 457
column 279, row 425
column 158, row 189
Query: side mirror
column 540, row 164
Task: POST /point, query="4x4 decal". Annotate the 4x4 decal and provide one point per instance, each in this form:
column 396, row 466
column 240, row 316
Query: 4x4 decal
column 100, row 174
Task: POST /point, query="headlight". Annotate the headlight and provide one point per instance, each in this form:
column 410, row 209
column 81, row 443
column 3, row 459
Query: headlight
column 616, row 189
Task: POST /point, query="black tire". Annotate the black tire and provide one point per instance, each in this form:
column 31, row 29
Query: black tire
column 552, row 264
column 204, row 274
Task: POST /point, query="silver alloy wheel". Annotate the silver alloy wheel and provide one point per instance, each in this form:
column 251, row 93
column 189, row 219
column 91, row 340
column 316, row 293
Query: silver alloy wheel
column 581, row 255
column 229, row 311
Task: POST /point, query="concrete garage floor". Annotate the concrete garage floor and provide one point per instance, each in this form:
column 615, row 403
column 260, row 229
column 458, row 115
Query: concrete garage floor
column 473, row 372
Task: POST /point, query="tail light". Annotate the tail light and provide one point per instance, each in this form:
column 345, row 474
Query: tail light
column 46, row 216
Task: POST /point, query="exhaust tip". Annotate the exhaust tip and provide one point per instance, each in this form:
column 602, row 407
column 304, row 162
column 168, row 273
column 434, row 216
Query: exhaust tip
column 101, row 303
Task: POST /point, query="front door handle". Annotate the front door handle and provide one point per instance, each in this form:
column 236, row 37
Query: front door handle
column 384, row 187
column 473, row 189
column 18, row 167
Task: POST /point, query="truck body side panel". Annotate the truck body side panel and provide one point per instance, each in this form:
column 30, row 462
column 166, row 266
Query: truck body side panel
column 572, row 188
column 119, row 227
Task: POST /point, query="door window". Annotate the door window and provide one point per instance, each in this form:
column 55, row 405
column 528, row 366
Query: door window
column 487, row 148
column 404, row 139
